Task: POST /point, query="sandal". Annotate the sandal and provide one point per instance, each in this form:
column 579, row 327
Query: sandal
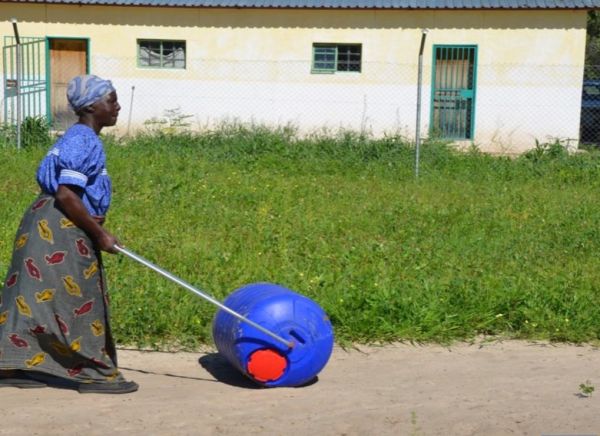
column 18, row 379
column 123, row 387
column 120, row 387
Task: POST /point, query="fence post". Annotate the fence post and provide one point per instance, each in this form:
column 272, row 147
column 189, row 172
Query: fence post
column 419, row 83
column 130, row 110
column 19, row 73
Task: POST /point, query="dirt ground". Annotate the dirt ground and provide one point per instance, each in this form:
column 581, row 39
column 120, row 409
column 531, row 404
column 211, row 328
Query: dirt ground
column 496, row 388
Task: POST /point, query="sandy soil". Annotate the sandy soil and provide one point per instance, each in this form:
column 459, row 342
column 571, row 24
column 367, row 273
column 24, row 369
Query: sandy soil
column 500, row 388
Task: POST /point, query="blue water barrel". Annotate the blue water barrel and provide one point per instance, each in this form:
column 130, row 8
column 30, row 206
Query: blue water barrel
column 285, row 313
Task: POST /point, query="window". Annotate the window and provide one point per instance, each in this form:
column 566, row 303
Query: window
column 329, row 58
column 153, row 53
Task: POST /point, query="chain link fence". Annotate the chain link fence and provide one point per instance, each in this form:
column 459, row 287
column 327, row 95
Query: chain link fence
column 502, row 109
column 590, row 108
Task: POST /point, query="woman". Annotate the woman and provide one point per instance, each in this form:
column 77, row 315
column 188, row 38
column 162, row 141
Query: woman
column 54, row 320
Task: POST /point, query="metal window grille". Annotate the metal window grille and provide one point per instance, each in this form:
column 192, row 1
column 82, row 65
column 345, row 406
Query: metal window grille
column 349, row 57
column 324, row 58
column 329, row 58
column 161, row 54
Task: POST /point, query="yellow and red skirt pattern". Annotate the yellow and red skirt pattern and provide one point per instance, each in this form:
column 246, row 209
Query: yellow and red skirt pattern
column 54, row 314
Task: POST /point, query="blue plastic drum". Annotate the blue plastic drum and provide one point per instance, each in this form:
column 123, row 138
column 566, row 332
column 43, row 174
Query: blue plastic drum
column 287, row 314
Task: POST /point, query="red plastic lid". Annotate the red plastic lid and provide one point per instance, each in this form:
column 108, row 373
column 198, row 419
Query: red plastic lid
column 266, row 365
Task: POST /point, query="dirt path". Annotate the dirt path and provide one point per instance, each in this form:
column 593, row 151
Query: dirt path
column 501, row 388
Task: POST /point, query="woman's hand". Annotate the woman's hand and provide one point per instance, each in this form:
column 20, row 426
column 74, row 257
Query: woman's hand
column 68, row 199
column 106, row 242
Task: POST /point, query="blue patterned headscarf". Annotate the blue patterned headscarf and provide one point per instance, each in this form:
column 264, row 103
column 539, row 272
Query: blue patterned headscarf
column 86, row 90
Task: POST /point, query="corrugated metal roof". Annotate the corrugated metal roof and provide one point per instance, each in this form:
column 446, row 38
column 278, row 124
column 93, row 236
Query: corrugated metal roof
column 342, row 4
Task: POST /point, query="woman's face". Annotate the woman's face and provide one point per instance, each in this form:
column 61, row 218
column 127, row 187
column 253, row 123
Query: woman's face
column 106, row 110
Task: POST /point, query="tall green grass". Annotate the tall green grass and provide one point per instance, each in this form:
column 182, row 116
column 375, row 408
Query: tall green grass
column 477, row 245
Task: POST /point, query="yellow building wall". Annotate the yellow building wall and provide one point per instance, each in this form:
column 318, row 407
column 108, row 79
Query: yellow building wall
column 244, row 60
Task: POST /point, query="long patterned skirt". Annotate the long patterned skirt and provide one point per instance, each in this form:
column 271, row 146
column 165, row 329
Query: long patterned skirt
column 53, row 307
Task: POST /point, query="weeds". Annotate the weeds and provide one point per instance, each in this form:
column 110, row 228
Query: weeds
column 172, row 123
column 546, row 150
column 35, row 132
column 586, row 389
column 416, row 429
column 8, row 135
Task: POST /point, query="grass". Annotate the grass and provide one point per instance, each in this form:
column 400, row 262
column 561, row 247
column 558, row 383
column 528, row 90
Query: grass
column 478, row 245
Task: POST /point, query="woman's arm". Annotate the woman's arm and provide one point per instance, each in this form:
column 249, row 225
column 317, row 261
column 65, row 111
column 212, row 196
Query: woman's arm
column 68, row 199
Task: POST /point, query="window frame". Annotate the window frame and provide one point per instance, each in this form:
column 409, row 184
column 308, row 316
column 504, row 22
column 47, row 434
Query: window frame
column 162, row 66
column 336, row 63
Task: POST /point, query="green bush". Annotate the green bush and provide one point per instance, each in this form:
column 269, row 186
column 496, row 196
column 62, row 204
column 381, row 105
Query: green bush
column 35, row 132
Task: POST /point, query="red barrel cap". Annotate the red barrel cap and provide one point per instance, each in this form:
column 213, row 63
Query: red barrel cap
column 266, row 365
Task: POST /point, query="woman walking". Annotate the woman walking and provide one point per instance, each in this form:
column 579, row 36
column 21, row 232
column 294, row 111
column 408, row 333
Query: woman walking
column 54, row 317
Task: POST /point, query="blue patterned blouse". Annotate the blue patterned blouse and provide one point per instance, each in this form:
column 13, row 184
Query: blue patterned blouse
column 78, row 158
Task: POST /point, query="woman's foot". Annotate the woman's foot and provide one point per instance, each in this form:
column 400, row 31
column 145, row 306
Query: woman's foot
column 122, row 387
column 118, row 387
column 18, row 379
column 21, row 379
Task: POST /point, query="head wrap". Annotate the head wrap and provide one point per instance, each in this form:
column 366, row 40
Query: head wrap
column 86, row 90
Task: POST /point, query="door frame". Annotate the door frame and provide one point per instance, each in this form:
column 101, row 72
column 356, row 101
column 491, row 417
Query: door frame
column 49, row 67
column 433, row 80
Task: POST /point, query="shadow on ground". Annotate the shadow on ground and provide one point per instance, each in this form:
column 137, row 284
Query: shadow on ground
column 225, row 372
column 166, row 374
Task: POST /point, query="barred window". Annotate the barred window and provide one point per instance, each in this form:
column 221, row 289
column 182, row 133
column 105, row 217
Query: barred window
column 153, row 53
column 329, row 58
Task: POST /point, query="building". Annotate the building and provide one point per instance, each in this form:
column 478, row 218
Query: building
column 496, row 73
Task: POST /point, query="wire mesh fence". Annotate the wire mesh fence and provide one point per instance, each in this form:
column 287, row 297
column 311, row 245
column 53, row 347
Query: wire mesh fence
column 497, row 108
column 590, row 107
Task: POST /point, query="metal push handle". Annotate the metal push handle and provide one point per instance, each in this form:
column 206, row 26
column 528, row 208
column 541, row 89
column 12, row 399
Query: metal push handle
column 289, row 344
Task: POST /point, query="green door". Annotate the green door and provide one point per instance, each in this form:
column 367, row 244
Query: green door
column 453, row 91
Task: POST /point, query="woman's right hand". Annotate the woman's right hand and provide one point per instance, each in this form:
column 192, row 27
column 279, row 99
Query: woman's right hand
column 106, row 242
column 68, row 199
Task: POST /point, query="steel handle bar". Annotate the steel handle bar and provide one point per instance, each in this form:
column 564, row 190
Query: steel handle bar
column 167, row 274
